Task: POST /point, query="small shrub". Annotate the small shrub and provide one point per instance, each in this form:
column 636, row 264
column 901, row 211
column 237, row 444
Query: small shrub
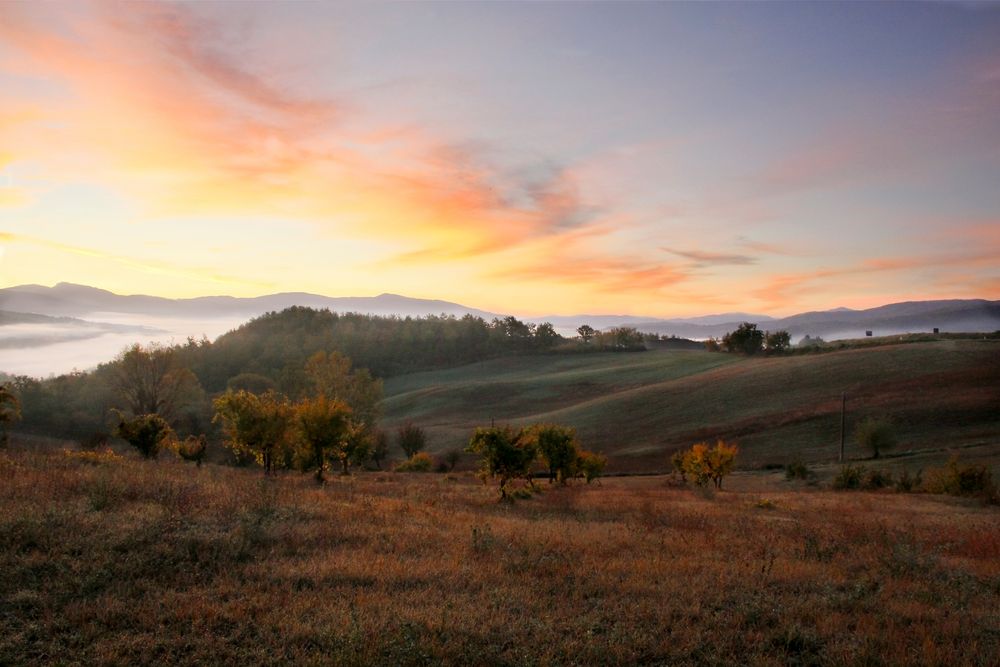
column 798, row 470
column 100, row 457
column 419, row 462
column 907, row 483
column 677, row 465
column 411, row 439
column 877, row 479
column 104, row 493
column 147, row 433
column 961, row 479
column 591, row 465
column 94, row 441
column 849, row 477
column 380, row 447
column 483, row 539
column 193, row 449
column 451, row 458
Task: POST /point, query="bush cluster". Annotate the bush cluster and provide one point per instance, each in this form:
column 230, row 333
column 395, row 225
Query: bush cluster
column 954, row 478
column 798, row 470
column 419, row 462
column 961, row 479
column 859, row 477
column 509, row 454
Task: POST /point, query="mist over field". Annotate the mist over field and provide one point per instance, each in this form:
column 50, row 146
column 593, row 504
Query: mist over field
column 75, row 327
column 53, row 348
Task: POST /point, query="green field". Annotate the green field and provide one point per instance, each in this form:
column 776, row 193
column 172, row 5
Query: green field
column 637, row 407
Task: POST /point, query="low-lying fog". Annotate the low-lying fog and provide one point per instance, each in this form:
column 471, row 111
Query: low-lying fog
column 54, row 348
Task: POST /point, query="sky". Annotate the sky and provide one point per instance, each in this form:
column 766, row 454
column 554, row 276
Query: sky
column 659, row 159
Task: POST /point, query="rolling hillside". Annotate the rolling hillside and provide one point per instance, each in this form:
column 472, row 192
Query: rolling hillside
column 638, row 407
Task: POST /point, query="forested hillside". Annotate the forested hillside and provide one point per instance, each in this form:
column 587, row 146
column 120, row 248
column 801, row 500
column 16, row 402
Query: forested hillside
column 270, row 352
column 277, row 344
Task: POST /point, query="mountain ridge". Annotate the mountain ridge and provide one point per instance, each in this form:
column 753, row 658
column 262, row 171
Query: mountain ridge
column 73, row 300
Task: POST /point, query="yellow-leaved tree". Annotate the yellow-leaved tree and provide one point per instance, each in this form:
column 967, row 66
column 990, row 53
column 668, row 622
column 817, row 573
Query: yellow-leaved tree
column 703, row 463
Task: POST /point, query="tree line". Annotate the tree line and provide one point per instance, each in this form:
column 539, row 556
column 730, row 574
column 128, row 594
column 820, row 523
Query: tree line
column 748, row 339
column 271, row 352
column 267, row 353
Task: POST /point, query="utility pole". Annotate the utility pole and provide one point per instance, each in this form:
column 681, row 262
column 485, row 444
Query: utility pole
column 843, row 411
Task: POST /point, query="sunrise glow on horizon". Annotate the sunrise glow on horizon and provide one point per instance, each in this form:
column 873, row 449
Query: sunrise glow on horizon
column 655, row 159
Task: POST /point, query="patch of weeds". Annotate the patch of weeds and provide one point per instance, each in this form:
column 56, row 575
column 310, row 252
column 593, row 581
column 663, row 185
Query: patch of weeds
column 802, row 646
column 798, row 470
column 907, row 483
column 29, row 533
column 877, row 479
column 483, row 540
column 94, row 457
column 813, row 548
column 849, row 478
column 705, row 492
column 104, row 492
column 406, row 646
column 905, row 559
column 962, row 479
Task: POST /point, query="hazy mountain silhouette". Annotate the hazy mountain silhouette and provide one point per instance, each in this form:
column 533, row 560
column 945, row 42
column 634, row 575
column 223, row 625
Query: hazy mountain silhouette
column 959, row 315
column 68, row 299
column 956, row 315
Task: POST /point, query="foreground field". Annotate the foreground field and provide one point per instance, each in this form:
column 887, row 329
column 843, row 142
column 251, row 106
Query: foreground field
column 638, row 407
column 129, row 561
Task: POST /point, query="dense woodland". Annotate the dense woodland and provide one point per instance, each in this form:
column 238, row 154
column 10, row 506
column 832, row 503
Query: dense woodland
column 271, row 353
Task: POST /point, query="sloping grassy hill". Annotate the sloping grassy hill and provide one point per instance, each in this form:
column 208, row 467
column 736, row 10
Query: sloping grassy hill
column 637, row 407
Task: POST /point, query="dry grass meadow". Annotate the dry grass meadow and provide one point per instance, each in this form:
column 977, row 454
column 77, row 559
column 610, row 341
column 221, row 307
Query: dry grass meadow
column 124, row 561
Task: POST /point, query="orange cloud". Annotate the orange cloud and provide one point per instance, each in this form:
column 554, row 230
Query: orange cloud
column 174, row 269
column 784, row 290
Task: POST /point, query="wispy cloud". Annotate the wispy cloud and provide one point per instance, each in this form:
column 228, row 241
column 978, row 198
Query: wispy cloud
column 702, row 258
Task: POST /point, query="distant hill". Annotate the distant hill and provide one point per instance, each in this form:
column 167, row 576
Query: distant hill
column 569, row 323
column 68, row 299
column 953, row 316
column 960, row 315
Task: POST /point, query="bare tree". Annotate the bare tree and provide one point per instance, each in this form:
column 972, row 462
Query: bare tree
column 150, row 381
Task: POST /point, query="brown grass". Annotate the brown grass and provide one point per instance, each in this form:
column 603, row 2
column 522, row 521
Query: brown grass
column 127, row 561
